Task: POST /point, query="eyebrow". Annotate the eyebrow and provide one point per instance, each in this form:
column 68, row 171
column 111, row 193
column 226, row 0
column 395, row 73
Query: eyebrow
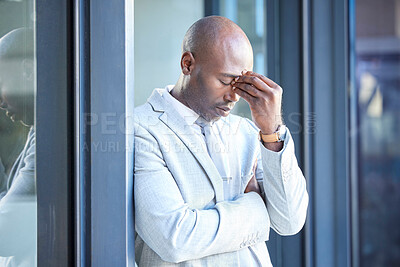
column 229, row 75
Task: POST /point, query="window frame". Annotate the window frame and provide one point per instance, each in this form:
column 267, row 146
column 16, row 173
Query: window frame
column 54, row 138
column 85, row 207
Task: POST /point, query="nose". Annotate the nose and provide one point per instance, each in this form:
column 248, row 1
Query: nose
column 231, row 96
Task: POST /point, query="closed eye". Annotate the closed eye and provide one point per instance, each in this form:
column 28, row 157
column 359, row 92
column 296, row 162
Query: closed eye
column 225, row 83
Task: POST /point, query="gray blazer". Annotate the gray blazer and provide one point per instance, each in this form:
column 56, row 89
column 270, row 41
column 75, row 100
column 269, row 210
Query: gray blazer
column 18, row 210
column 181, row 216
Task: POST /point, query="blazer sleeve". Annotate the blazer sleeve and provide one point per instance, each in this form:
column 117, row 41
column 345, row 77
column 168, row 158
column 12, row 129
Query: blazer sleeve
column 284, row 188
column 177, row 232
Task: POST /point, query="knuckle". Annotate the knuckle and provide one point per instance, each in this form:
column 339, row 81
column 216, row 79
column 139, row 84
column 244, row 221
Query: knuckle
column 277, row 91
column 253, row 90
column 278, row 88
column 269, row 92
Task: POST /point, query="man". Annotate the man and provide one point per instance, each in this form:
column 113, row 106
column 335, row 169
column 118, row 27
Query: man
column 201, row 174
column 18, row 191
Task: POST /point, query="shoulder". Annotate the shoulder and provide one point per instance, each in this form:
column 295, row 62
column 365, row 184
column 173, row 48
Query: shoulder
column 145, row 115
column 146, row 108
column 149, row 113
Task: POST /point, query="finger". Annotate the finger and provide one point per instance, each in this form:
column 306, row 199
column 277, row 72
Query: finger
column 271, row 87
column 251, row 90
column 253, row 80
column 267, row 80
column 246, row 96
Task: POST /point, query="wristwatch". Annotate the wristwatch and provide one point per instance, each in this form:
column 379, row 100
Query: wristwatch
column 278, row 136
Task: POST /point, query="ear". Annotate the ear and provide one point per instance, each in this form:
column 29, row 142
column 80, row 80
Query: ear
column 187, row 63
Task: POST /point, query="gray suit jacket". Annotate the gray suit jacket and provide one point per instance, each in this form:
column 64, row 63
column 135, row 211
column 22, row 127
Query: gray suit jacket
column 18, row 210
column 181, row 216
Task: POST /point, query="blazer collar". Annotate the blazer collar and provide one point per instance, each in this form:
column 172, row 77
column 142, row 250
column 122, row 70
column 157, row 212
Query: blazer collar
column 171, row 118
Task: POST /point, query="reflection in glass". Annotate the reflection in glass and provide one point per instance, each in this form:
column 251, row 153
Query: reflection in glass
column 378, row 116
column 17, row 140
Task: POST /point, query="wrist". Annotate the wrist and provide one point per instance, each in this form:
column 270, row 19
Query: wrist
column 277, row 136
column 270, row 128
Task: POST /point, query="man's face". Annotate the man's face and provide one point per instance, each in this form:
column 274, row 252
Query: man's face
column 16, row 91
column 209, row 92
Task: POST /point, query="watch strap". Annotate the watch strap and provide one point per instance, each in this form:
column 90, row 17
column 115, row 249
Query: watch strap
column 271, row 138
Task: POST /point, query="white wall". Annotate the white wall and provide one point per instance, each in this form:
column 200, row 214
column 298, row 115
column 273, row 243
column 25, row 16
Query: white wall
column 159, row 29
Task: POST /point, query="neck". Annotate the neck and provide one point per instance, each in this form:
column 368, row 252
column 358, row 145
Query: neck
column 177, row 91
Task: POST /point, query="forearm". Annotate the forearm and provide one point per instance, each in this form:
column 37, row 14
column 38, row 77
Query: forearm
column 285, row 190
column 178, row 233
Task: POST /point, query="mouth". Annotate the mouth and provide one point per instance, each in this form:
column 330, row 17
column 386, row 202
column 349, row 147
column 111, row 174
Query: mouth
column 224, row 111
column 227, row 109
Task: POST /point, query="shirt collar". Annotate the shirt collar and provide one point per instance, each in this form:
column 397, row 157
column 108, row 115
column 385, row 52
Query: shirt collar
column 186, row 113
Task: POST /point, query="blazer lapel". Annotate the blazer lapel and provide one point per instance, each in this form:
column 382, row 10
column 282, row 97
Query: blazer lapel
column 171, row 118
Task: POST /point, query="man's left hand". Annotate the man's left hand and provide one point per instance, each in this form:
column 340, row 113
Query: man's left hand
column 264, row 97
column 252, row 185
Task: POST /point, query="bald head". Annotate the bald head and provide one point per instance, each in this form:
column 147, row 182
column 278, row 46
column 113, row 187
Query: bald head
column 206, row 34
column 17, row 45
column 17, row 75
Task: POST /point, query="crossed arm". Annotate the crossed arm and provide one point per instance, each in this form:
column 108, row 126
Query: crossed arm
column 177, row 232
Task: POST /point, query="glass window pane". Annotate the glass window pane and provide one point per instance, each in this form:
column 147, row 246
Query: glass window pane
column 250, row 16
column 159, row 31
column 17, row 134
column 378, row 118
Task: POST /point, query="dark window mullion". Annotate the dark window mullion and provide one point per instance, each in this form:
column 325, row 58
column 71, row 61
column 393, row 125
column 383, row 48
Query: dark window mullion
column 54, row 133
